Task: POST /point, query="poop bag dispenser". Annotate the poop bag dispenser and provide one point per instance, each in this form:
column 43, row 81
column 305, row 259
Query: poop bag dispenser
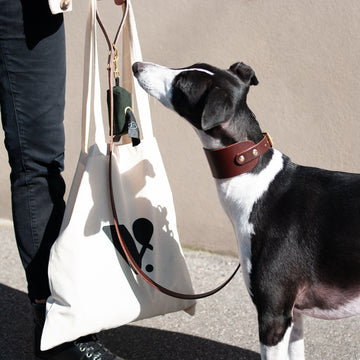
column 124, row 120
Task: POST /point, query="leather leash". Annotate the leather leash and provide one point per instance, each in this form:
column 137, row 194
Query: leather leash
column 134, row 265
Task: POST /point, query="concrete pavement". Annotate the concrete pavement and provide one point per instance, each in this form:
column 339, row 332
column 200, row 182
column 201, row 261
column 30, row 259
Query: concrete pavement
column 224, row 327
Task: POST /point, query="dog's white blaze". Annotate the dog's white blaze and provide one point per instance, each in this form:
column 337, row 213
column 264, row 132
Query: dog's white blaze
column 238, row 196
column 157, row 81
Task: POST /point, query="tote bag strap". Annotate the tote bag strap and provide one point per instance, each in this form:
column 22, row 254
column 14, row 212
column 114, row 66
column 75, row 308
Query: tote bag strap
column 91, row 84
column 136, row 55
column 131, row 54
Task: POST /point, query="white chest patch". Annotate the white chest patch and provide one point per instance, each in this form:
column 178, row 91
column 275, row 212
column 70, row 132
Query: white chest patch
column 238, row 196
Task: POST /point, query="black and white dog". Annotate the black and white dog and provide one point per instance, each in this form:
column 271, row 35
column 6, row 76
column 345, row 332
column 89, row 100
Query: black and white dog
column 298, row 228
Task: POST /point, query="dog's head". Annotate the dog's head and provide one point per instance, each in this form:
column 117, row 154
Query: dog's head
column 206, row 96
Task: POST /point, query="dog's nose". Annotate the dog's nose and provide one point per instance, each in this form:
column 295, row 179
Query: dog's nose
column 136, row 68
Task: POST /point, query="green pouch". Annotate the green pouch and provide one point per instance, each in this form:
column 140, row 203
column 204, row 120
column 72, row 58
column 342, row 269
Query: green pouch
column 122, row 100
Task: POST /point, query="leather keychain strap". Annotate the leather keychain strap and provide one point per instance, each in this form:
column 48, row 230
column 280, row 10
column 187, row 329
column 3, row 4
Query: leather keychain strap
column 131, row 260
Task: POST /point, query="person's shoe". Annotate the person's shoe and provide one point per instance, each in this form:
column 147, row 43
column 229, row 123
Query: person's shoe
column 87, row 347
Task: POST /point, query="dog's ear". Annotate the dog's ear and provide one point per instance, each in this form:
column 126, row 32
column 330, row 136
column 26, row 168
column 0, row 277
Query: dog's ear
column 218, row 109
column 245, row 73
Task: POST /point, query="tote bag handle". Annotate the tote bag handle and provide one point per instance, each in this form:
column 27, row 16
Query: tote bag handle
column 131, row 54
column 91, row 84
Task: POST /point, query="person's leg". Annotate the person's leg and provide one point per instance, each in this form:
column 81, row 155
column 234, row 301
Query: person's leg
column 32, row 99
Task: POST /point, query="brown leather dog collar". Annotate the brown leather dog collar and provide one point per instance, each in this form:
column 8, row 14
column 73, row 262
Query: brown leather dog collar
column 237, row 158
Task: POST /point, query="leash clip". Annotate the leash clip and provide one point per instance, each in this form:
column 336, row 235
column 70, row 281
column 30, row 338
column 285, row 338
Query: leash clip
column 115, row 61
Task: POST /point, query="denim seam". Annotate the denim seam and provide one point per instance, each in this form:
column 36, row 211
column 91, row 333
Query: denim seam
column 22, row 146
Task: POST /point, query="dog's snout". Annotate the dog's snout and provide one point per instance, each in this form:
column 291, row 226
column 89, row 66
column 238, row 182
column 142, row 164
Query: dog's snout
column 137, row 68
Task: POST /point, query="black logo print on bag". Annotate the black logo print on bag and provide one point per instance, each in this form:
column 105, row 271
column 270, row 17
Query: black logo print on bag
column 143, row 230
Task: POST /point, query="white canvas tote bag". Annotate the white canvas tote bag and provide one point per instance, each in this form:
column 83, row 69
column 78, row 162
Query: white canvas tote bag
column 92, row 285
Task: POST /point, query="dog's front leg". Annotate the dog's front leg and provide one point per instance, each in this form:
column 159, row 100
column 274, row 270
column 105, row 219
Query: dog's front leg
column 278, row 351
column 291, row 344
column 274, row 337
column 296, row 344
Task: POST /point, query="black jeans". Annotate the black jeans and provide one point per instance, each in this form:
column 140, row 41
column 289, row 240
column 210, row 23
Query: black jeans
column 32, row 100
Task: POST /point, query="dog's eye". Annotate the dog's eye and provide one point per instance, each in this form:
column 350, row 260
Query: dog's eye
column 183, row 85
column 180, row 81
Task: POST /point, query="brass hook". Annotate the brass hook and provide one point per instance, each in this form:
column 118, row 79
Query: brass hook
column 115, row 61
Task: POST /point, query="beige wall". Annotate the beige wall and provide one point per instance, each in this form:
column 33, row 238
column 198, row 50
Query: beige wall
column 306, row 57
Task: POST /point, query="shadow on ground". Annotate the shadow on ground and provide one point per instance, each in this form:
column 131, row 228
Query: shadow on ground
column 131, row 341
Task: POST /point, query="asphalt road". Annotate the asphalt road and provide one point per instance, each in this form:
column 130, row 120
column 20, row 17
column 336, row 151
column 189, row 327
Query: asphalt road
column 223, row 328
